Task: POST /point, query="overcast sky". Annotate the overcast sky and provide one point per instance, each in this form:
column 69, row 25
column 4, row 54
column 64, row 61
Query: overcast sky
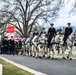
column 64, row 16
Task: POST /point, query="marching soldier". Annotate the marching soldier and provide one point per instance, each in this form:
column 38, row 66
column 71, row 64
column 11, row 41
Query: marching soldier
column 11, row 45
column 5, row 45
column 68, row 31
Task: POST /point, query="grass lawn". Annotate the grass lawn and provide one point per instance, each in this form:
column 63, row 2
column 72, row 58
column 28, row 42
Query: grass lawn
column 74, row 55
column 9, row 69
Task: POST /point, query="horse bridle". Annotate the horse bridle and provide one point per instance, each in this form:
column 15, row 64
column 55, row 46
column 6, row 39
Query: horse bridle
column 70, row 39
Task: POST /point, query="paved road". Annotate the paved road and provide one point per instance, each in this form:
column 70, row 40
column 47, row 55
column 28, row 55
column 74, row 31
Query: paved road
column 47, row 66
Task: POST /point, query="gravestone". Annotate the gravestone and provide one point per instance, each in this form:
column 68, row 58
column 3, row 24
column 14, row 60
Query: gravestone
column 0, row 69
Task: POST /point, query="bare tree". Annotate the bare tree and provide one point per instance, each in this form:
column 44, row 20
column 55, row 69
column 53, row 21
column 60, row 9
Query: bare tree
column 73, row 9
column 3, row 23
column 28, row 13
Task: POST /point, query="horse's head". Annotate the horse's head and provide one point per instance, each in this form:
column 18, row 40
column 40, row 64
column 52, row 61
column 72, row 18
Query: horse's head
column 61, row 39
column 35, row 40
column 74, row 35
column 58, row 39
column 71, row 39
column 43, row 39
column 74, row 38
column 23, row 41
column 27, row 42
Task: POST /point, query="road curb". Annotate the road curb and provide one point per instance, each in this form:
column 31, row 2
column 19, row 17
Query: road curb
column 61, row 57
column 23, row 67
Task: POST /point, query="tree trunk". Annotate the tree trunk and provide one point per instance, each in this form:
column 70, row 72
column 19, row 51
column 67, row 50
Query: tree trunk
column 25, row 30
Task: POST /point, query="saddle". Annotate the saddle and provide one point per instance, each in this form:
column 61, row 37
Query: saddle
column 55, row 43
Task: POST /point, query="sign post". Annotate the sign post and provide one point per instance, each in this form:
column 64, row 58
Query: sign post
column 10, row 31
column 1, row 69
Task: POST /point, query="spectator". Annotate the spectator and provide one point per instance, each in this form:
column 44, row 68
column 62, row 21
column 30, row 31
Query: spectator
column 12, row 46
column 5, row 45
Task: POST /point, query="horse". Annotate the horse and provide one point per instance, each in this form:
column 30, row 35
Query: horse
column 28, row 46
column 54, row 44
column 23, row 46
column 74, row 41
column 18, row 46
column 35, row 50
column 42, row 45
column 70, row 44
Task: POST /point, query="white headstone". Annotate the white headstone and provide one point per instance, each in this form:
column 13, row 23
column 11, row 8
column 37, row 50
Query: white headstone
column 0, row 69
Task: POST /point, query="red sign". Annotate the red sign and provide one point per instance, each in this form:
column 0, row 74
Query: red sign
column 10, row 29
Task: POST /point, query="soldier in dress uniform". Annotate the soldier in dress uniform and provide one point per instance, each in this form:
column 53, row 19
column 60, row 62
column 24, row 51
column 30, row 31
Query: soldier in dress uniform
column 43, row 31
column 51, row 34
column 12, row 46
column 35, row 32
column 5, row 45
column 68, row 31
column 43, row 35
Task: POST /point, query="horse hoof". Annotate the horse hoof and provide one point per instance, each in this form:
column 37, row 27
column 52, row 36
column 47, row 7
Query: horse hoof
column 48, row 57
column 36, row 57
column 52, row 58
column 55, row 58
column 43, row 55
column 70, row 58
column 67, row 56
column 33, row 56
column 40, row 57
column 30, row 55
column 63, row 58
